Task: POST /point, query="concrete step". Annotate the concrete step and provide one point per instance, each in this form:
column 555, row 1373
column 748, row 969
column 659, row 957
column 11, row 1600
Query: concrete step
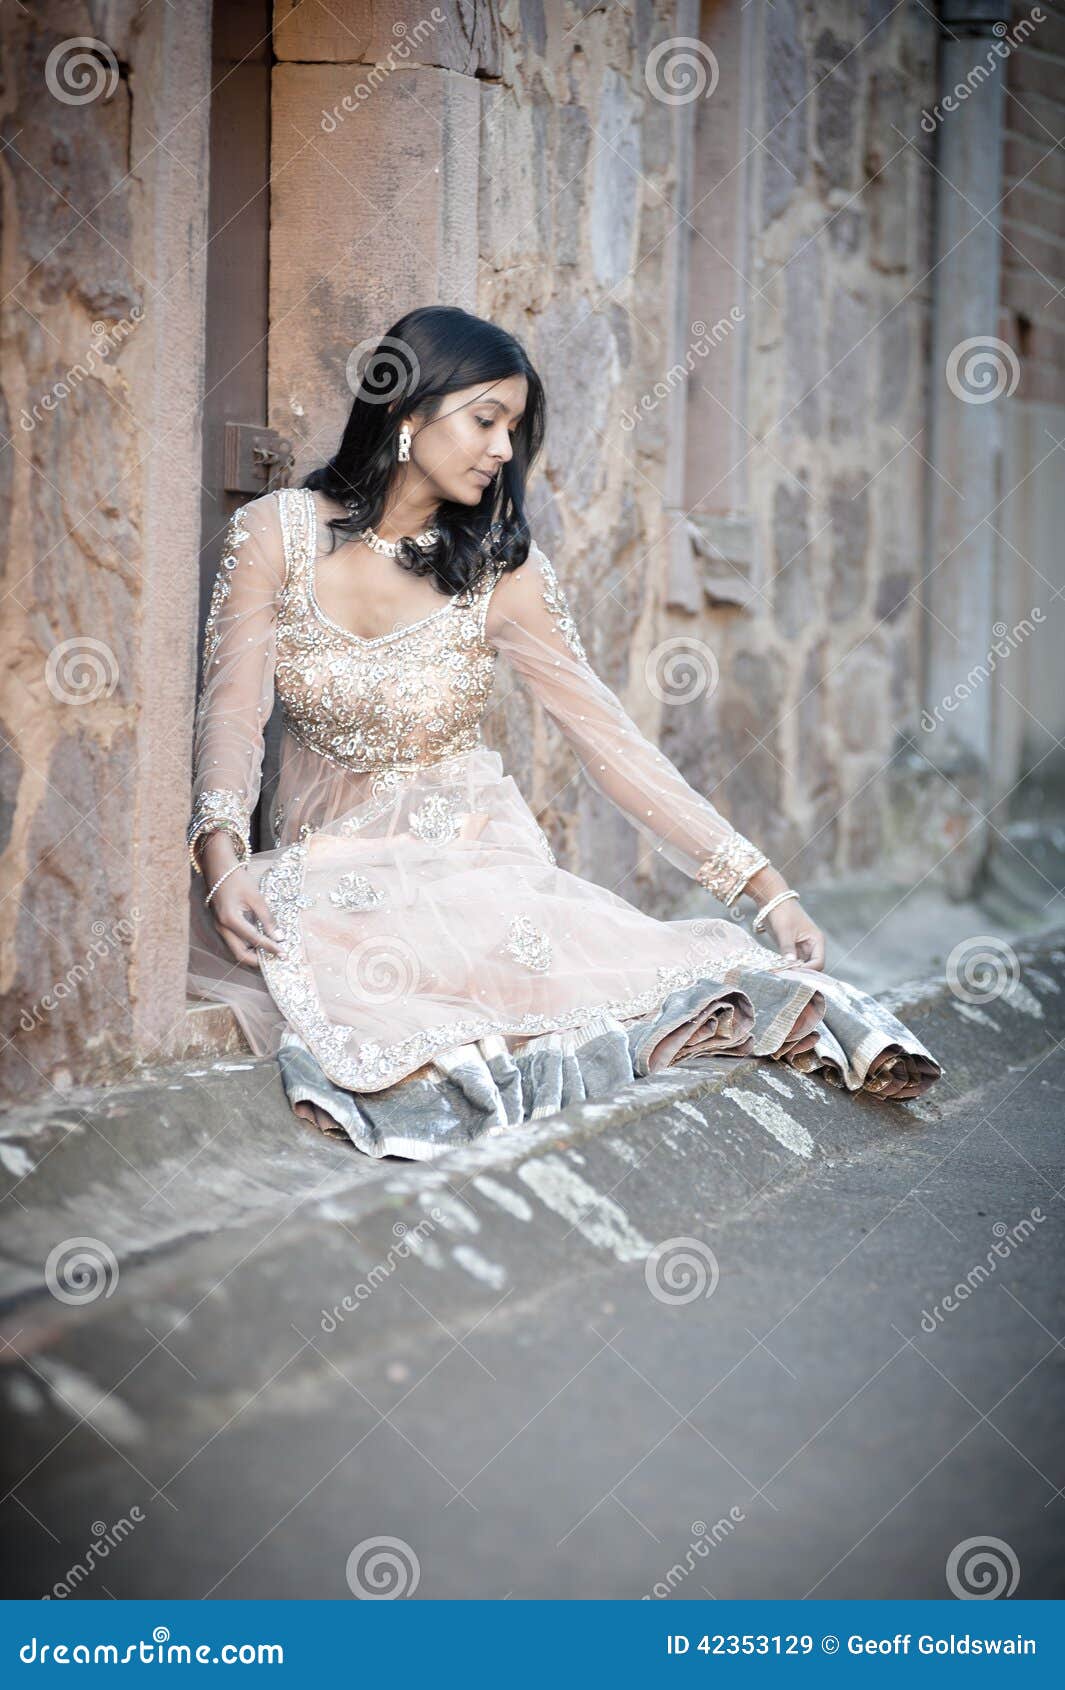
column 1026, row 875
column 233, row 1227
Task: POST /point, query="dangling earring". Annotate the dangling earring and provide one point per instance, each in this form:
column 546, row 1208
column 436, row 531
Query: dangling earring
column 404, row 444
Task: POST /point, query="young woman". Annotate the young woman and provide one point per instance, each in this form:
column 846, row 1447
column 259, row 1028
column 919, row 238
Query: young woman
column 406, row 942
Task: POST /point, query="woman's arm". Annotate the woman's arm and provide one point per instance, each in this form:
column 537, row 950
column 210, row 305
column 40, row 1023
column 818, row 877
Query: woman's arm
column 530, row 623
column 237, row 678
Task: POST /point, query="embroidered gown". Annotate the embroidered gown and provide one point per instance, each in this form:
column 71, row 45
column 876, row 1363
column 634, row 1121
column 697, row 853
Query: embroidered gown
column 440, row 977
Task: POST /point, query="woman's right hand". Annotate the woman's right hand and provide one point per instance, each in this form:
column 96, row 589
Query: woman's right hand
column 237, row 903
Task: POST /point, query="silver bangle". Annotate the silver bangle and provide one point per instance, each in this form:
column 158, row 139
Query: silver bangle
column 768, row 907
column 220, row 879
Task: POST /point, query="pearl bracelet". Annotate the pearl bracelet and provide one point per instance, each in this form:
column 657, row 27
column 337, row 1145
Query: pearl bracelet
column 768, row 907
column 220, row 879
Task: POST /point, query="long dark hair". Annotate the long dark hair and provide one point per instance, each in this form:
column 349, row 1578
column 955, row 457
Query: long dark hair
column 431, row 352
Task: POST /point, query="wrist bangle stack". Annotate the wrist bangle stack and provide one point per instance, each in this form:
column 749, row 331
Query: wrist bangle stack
column 217, row 812
column 728, row 868
column 768, row 907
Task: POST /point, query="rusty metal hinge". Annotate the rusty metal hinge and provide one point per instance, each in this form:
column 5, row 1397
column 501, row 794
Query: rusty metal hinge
column 255, row 460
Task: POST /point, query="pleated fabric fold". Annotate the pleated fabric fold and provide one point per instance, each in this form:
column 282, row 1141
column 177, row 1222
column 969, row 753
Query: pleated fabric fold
column 495, row 1084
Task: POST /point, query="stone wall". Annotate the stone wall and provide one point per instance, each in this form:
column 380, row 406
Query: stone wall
column 594, row 246
column 1033, row 210
column 102, row 170
column 718, row 257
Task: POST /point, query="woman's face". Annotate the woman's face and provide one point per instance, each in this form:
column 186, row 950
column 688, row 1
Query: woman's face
column 461, row 450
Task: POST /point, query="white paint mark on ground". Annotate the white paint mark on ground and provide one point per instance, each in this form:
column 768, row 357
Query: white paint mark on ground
column 597, row 1112
column 512, row 1201
column 425, row 1249
column 403, row 1185
column 1019, row 997
column 791, row 1134
column 627, row 1152
column 329, row 1211
column 598, row 1219
column 23, row 1394
column 453, row 1213
column 1043, row 980
column 979, row 1016
column 489, row 1273
column 77, row 1394
column 777, row 1084
column 692, row 1114
column 16, row 1160
column 813, row 1090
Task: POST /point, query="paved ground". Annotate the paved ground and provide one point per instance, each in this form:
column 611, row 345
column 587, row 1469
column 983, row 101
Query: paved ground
column 526, row 1416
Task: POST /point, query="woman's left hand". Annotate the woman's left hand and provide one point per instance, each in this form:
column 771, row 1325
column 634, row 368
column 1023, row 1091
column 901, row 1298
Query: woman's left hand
column 798, row 938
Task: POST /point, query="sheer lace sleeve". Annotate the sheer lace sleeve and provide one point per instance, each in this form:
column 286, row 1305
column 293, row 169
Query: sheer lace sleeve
column 530, row 624
column 237, row 683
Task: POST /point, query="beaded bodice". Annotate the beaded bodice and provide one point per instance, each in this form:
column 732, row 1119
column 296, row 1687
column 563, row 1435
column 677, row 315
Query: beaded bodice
column 407, row 698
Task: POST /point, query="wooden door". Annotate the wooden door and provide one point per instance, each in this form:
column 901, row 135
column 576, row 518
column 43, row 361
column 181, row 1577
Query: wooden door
column 235, row 389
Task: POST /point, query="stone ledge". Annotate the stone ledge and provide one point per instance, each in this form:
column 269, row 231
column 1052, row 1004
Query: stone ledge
column 234, row 1224
column 209, row 1029
column 202, row 1152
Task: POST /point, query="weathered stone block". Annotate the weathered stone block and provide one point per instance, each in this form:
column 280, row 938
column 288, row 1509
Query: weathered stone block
column 786, row 109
